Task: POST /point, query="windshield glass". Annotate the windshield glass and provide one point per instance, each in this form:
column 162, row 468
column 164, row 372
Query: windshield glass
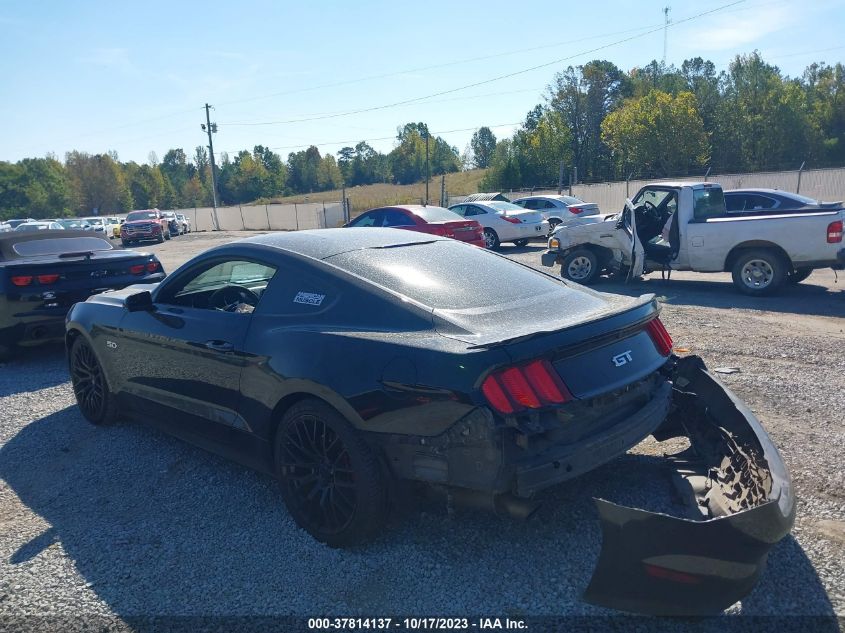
column 59, row 245
column 425, row 272
column 141, row 215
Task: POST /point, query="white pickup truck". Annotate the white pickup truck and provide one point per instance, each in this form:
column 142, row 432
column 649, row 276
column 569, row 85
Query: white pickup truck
column 684, row 226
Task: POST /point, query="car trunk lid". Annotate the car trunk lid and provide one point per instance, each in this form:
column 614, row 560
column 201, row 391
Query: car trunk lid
column 596, row 344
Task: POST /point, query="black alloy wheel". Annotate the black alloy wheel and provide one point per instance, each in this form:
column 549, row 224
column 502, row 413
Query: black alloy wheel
column 89, row 384
column 330, row 479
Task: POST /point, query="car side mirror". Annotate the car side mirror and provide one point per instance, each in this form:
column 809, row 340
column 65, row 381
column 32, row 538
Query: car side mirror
column 140, row 302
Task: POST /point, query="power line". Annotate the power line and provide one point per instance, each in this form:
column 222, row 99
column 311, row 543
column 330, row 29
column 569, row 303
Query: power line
column 372, row 140
column 497, row 78
column 395, row 73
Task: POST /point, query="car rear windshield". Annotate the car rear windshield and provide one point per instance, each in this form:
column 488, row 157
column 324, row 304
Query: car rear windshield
column 60, row 245
column 505, row 206
column 446, row 275
column 141, row 215
column 436, row 214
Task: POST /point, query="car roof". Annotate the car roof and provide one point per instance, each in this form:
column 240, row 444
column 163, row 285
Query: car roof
column 323, row 243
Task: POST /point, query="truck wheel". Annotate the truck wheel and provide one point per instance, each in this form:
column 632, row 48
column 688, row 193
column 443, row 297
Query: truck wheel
column 580, row 266
column 167, row 235
column 125, row 242
column 758, row 273
column 160, row 238
column 90, row 387
column 491, row 240
column 799, row 274
column 553, row 224
column 331, row 480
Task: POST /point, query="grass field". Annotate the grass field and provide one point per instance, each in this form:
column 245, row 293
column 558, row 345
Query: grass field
column 368, row 196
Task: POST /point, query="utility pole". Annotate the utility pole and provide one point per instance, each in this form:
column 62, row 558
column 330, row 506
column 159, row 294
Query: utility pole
column 427, row 168
column 665, row 31
column 208, row 127
column 560, row 177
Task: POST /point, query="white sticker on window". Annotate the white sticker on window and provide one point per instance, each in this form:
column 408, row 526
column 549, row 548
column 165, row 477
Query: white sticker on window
column 309, row 298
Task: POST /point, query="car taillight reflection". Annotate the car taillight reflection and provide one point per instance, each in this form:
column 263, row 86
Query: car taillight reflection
column 528, row 386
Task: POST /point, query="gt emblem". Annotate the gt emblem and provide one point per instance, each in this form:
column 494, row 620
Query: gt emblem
column 99, row 273
column 111, row 344
column 622, row 359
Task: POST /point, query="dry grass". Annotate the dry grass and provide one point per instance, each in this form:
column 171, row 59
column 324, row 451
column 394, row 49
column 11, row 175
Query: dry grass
column 368, row 196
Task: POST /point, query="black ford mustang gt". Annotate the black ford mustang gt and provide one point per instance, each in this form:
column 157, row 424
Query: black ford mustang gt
column 341, row 362
column 43, row 273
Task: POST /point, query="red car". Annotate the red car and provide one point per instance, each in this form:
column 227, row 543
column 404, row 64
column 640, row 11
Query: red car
column 415, row 217
column 146, row 225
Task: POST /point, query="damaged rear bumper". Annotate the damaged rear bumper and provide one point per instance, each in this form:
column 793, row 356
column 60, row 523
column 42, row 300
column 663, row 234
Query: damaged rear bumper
column 741, row 504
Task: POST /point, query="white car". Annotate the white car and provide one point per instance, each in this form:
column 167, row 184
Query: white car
column 503, row 222
column 38, row 226
column 559, row 209
column 185, row 222
column 111, row 223
column 97, row 224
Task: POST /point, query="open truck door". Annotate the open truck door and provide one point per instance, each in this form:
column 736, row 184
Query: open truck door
column 634, row 254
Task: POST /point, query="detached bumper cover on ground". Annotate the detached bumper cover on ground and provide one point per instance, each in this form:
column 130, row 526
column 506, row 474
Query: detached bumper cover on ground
column 741, row 504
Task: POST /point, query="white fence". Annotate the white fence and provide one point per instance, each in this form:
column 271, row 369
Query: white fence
column 822, row 184
column 267, row 217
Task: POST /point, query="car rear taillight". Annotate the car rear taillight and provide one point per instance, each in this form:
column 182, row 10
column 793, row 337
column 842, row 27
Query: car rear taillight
column 660, row 336
column 528, row 386
column 152, row 267
column 47, row 279
column 511, row 219
column 137, row 269
column 834, row 232
column 576, row 210
column 22, row 280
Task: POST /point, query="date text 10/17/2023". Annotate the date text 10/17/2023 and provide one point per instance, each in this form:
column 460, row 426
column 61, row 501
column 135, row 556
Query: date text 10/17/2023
column 416, row 624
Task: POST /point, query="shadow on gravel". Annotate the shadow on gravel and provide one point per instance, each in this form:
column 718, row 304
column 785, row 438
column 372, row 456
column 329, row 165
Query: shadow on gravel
column 157, row 527
column 34, row 368
column 803, row 298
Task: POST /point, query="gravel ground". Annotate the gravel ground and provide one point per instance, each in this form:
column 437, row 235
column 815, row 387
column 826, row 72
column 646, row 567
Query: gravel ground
column 126, row 521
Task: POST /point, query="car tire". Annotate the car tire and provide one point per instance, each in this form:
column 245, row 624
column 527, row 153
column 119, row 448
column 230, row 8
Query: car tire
column 90, row 386
column 491, row 239
column 580, row 266
column 331, row 480
column 167, row 235
column 759, row 272
column 521, row 242
column 160, row 239
column 126, row 242
column 799, row 274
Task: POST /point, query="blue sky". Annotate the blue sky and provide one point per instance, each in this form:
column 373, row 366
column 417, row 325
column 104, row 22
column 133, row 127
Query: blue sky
column 133, row 77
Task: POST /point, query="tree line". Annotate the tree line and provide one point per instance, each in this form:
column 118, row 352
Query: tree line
column 602, row 123
column 656, row 121
column 48, row 187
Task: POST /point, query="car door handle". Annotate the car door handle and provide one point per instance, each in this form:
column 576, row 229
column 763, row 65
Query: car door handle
column 220, row 346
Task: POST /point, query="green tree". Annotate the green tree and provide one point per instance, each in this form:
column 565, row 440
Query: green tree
column 97, row 182
column 661, row 133
column 483, row 144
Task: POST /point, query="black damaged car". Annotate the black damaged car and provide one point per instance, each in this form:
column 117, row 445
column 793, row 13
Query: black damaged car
column 342, row 362
column 43, row 273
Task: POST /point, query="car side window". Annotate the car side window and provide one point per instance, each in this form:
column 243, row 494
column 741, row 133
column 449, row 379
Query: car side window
column 196, row 288
column 367, row 219
column 521, row 203
column 473, row 210
column 735, row 203
column 396, row 218
column 531, row 204
column 546, row 204
column 460, row 209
